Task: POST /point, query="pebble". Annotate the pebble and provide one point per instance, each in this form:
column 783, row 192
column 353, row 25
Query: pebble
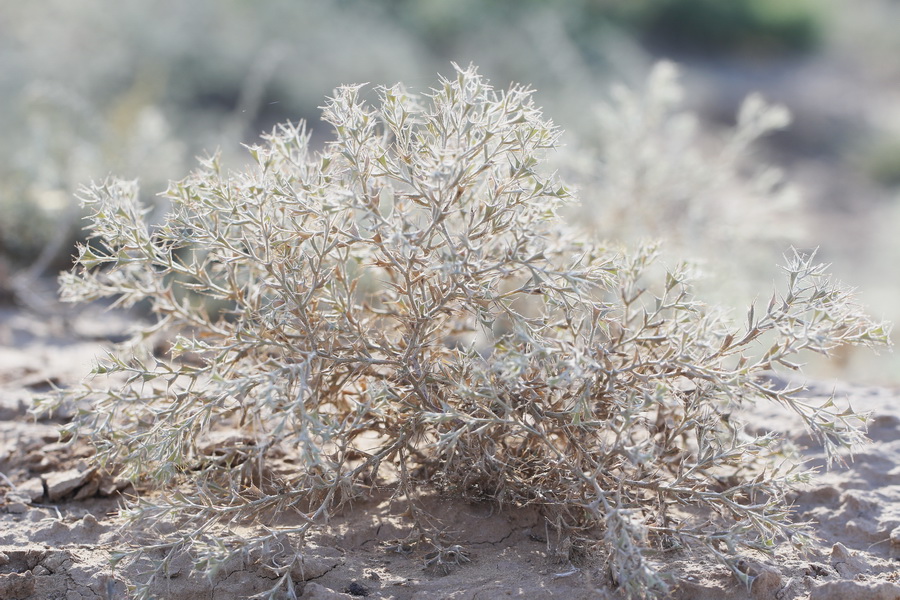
column 33, row 489
column 315, row 591
column 36, row 515
column 40, row 571
column 895, row 536
column 845, row 563
column 63, row 483
column 357, row 589
column 89, row 521
column 88, row 490
column 16, row 508
column 766, row 584
column 17, row 585
column 316, row 562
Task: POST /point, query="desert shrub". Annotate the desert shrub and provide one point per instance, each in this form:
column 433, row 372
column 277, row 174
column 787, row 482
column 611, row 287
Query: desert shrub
column 407, row 308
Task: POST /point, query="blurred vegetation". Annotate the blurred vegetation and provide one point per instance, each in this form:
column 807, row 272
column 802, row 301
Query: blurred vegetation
column 734, row 27
column 711, row 27
column 881, row 161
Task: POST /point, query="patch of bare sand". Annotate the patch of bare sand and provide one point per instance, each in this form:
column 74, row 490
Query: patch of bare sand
column 59, row 521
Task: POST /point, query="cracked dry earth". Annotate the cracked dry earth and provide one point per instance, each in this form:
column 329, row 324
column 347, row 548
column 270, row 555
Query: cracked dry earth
column 59, row 523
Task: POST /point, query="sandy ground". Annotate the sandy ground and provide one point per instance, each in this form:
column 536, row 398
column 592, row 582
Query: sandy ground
column 59, row 522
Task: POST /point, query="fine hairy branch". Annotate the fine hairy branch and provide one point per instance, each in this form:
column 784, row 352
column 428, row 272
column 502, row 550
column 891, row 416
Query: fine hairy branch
column 405, row 307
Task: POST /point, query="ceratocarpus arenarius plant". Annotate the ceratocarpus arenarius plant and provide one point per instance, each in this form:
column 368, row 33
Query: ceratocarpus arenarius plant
column 405, row 306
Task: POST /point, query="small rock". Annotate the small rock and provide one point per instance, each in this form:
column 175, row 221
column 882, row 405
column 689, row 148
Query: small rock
column 845, row 563
column 40, row 571
column 88, row 490
column 840, row 553
column 33, row 489
column 17, row 508
column 89, row 521
column 55, row 562
column 765, row 584
column 17, row 586
column 895, row 536
column 46, row 463
column 855, row 590
column 16, row 496
column 36, row 515
column 179, row 565
column 109, row 485
column 765, row 581
column 63, row 483
column 316, row 562
column 315, row 591
column 357, row 589
column 4, row 559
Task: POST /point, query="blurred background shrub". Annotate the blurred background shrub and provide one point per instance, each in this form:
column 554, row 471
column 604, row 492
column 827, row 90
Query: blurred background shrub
column 89, row 88
column 769, row 28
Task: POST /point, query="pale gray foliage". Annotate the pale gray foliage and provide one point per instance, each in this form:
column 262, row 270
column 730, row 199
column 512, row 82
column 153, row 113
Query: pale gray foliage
column 406, row 306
